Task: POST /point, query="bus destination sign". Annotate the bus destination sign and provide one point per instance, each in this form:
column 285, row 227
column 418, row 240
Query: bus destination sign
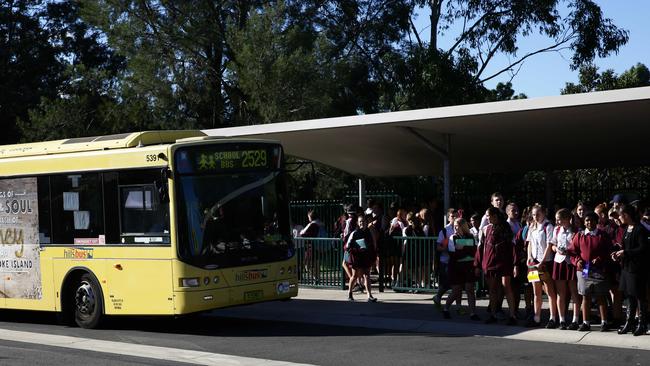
column 204, row 160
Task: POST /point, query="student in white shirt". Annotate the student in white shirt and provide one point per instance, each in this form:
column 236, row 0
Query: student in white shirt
column 496, row 200
column 564, row 273
column 512, row 211
column 441, row 248
column 540, row 255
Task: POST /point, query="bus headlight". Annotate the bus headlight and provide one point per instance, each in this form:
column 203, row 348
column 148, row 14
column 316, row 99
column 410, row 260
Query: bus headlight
column 282, row 288
column 281, row 271
column 206, row 281
column 190, row 282
column 289, row 270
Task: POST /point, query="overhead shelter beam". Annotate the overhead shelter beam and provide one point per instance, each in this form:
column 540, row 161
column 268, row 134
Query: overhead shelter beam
column 370, row 145
column 445, row 154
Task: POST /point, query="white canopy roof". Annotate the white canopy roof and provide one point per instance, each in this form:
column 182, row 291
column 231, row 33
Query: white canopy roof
column 601, row 129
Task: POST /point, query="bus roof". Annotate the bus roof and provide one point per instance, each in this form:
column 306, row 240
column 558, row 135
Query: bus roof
column 119, row 141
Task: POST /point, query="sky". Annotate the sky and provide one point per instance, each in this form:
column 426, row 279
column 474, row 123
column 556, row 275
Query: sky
column 546, row 74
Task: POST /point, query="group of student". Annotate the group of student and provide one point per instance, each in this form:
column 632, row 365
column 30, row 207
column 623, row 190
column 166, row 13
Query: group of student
column 581, row 255
column 573, row 256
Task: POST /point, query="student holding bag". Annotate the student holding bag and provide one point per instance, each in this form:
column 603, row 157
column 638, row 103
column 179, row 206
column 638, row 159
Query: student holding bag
column 360, row 247
column 462, row 250
column 540, row 264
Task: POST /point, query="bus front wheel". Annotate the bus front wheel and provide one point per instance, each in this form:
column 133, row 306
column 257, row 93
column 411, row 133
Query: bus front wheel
column 88, row 302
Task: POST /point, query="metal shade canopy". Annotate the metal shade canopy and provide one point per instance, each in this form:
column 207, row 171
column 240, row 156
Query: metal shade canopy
column 601, row 129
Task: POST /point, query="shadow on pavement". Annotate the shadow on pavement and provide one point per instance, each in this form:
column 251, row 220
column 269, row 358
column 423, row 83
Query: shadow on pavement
column 298, row 317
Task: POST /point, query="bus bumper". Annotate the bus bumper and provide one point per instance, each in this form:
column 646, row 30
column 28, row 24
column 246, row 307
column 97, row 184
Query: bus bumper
column 186, row 302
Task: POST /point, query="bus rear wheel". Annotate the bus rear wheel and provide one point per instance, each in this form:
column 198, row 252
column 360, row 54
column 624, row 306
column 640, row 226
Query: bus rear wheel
column 88, row 302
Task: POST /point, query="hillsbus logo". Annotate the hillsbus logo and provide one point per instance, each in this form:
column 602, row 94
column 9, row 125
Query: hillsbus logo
column 81, row 253
column 252, row 275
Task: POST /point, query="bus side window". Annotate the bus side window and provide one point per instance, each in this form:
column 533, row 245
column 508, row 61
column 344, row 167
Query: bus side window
column 144, row 219
column 44, row 214
column 77, row 208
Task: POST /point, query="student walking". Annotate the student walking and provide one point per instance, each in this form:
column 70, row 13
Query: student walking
column 360, row 246
column 441, row 249
column 462, row 250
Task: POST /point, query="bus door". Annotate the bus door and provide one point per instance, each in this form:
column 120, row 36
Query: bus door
column 140, row 276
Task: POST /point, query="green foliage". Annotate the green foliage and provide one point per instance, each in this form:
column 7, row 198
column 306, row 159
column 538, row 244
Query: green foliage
column 58, row 73
column 30, row 68
column 281, row 68
column 591, row 80
column 103, row 66
column 492, row 27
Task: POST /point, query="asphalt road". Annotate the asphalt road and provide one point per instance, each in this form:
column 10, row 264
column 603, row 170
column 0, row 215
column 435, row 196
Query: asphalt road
column 292, row 342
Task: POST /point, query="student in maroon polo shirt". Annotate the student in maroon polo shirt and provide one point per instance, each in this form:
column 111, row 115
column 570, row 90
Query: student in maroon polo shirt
column 497, row 257
column 590, row 250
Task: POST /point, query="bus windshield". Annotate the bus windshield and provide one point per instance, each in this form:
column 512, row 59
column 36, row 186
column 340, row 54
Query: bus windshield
column 231, row 217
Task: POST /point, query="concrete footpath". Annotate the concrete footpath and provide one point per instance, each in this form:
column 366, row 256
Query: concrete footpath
column 405, row 312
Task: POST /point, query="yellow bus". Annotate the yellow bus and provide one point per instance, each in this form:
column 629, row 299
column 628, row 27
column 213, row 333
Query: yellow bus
column 145, row 223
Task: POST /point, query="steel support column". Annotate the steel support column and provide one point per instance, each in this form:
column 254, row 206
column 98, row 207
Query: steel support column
column 446, row 174
column 362, row 192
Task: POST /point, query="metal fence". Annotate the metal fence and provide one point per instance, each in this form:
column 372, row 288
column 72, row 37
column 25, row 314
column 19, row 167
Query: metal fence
column 386, row 198
column 417, row 269
column 328, row 211
column 320, row 262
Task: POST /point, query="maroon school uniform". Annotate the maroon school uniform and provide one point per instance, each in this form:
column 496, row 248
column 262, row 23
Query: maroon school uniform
column 608, row 227
column 460, row 271
column 563, row 270
column 587, row 247
column 619, row 233
column 497, row 255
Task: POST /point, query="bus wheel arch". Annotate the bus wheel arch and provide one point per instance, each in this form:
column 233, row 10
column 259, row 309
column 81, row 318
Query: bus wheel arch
column 82, row 299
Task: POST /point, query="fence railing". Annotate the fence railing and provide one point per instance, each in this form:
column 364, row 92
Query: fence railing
column 328, row 211
column 320, row 262
column 417, row 264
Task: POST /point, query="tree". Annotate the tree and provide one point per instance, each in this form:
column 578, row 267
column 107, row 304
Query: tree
column 504, row 91
column 56, row 72
column 86, row 95
column 281, row 69
column 591, row 80
column 177, row 54
column 29, row 67
column 490, row 27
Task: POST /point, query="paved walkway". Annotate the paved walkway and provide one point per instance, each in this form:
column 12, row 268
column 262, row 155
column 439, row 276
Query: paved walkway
column 406, row 312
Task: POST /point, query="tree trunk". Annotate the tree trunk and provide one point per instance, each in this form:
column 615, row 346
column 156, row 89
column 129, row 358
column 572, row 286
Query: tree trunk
column 436, row 7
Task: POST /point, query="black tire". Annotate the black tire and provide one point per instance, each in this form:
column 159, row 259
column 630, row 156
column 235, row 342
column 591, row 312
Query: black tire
column 88, row 302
